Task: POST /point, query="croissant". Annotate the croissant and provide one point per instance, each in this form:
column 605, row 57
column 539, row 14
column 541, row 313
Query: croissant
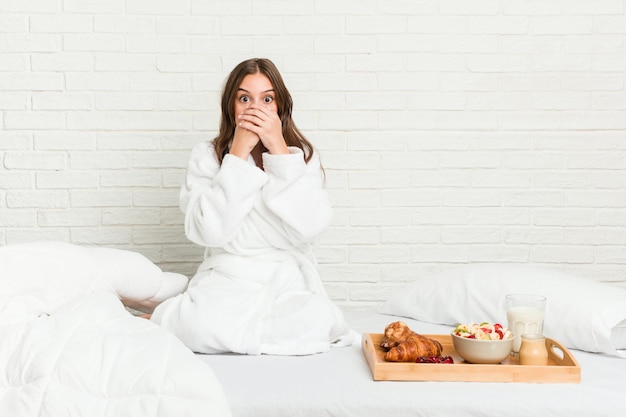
column 395, row 333
column 412, row 348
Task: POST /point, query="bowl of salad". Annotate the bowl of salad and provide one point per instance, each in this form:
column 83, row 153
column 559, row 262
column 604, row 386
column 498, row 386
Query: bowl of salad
column 482, row 342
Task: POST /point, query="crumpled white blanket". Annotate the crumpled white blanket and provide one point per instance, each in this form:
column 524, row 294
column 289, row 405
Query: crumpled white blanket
column 68, row 347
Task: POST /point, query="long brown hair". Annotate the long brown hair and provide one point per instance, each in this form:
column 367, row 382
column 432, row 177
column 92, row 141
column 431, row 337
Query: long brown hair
column 284, row 102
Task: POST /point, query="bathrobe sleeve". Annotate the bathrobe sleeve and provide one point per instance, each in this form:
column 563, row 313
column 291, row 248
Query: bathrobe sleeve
column 295, row 193
column 215, row 199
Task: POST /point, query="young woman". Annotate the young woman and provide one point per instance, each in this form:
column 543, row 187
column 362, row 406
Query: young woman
column 254, row 197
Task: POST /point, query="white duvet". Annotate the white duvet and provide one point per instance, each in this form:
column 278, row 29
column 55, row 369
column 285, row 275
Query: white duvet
column 68, row 347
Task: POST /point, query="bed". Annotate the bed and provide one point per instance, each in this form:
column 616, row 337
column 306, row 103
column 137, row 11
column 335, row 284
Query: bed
column 70, row 346
column 339, row 383
column 587, row 317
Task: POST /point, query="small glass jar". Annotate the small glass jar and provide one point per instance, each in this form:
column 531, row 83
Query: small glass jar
column 533, row 350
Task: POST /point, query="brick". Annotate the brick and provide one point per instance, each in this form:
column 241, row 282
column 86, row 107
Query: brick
column 571, row 217
column 68, row 218
column 171, row 216
column 61, row 101
column 412, row 197
column 13, row 101
column 67, row 180
column 99, row 160
column 334, row 120
column 596, row 45
column 408, row 161
column 36, row 161
column 160, row 82
column 505, row 25
column 219, row 8
column 13, row 62
column 611, row 255
column 15, row 141
column 471, row 198
column 471, row 235
column 610, row 24
column 159, row 160
column 158, row 235
column 160, row 198
column 377, row 180
column 410, row 235
column 183, row 253
column 16, row 180
column 64, row 141
column 25, row 235
column 126, row 101
column 374, row 101
column 65, row 23
column 349, row 273
column 94, row 6
column 13, row 23
column 602, row 7
column 500, row 254
column 101, row 198
column 34, row 120
column 31, row 82
column 130, row 216
column 316, row 25
column 17, row 218
column 93, row 42
column 100, row 81
column 378, row 254
column 157, row 44
column 186, row 25
column 560, row 254
column 509, row 216
column 123, row 24
column 187, row 63
column 101, row 236
column 440, row 253
column 160, row 7
column 174, row 177
column 124, row 62
column 123, row 121
column 460, row 7
column 25, row 43
column 134, row 178
column 561, row 25
column 341, row 236
column 354, row 198
column 38, row 199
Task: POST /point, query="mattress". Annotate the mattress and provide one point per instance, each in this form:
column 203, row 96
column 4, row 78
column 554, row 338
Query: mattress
column 339, row 383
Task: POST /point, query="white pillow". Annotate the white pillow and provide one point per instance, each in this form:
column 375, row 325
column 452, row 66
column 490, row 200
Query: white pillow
column 40, row 277
column 580, row 313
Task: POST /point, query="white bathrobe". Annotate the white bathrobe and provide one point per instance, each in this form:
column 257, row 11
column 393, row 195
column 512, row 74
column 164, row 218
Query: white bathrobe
column 258, row 292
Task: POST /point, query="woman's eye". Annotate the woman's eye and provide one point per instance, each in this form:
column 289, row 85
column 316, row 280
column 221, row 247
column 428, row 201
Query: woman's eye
column 268, row 99
column 244, row 99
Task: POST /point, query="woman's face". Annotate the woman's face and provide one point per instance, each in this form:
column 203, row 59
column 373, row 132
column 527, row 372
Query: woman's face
column 255, row 90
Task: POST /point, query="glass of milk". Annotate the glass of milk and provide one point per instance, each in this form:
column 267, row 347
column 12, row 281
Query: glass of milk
column 524, row 313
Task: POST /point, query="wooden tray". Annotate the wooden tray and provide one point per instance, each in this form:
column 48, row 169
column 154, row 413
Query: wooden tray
column 562, row 366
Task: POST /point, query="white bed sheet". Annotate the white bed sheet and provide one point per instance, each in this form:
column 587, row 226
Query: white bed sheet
column 339, row 383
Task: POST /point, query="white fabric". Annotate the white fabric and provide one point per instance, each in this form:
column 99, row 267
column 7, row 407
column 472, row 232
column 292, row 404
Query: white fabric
column 68, row 347
column 580, row 313
column 31, row 273
column 339, row 384
column 258, row 291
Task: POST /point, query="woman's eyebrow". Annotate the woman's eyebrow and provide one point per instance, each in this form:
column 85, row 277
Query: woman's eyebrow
column 246, row 91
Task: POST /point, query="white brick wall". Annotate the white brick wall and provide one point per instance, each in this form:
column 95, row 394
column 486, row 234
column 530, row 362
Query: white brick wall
column 451, row 131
